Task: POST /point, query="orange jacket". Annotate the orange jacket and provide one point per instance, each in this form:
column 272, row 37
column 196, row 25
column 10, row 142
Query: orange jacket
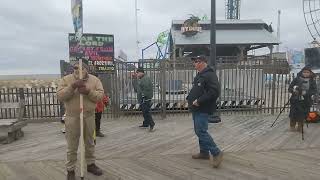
column 100, row 105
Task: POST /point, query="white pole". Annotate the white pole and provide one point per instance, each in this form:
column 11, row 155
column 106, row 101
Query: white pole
column 82, row 150
column 137, row 33
column 278, row 30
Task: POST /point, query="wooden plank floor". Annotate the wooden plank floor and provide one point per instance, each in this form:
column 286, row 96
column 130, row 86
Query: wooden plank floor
column 252, row 149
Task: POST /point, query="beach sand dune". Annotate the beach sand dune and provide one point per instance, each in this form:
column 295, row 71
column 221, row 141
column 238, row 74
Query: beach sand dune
column 29, row 81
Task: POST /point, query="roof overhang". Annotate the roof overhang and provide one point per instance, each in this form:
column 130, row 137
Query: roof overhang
column 228, row 32
column 228, row 37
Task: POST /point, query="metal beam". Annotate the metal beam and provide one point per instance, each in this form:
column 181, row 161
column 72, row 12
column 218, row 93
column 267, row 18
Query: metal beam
column 213, row 53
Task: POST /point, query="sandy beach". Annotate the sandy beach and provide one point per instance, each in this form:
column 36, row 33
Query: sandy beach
column 29, row 81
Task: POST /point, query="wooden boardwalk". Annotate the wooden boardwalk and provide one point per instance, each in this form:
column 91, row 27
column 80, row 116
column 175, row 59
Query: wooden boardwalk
column 252, row 149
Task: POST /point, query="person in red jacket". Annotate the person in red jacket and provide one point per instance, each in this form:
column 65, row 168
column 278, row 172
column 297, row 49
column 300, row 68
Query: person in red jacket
column 99, row 109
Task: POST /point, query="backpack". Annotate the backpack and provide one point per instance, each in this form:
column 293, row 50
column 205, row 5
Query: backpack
column 313, row 117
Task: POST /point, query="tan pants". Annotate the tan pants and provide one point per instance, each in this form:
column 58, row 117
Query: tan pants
column 73, row 135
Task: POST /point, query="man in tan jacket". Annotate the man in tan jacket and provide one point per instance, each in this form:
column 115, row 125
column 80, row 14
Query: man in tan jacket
column 69, row 91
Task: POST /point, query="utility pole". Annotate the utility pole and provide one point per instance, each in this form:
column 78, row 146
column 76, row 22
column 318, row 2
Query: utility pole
column 278, row 30
column 137, row 33
column 213, row 35
column 215, row 117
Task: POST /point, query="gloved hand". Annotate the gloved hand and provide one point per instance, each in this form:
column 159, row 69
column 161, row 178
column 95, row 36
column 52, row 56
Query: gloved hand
column 134, row 75
column 78, row 84
column 295, row 89
column 83, row 90
column 195, row 103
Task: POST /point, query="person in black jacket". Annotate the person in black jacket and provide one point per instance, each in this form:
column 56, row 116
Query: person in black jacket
column 303, row 89
column 202, row 102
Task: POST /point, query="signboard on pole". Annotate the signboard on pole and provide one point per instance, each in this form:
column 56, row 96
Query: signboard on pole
column 98, row 51
column 76, row 10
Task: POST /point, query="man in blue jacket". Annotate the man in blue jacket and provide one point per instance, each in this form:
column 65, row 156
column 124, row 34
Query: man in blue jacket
column 202, row 102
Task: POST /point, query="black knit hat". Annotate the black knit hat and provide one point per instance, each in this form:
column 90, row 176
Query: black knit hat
column 140, row 69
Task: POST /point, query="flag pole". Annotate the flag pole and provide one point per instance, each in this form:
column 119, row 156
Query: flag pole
column 82, row 149
column 77, row 17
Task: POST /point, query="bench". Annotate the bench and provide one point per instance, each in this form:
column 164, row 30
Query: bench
column 11, row 120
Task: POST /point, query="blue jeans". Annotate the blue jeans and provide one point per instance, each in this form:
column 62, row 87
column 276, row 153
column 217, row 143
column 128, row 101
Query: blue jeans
column 206, row 142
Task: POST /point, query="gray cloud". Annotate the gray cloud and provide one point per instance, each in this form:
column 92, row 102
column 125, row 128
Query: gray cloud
column 34, row 33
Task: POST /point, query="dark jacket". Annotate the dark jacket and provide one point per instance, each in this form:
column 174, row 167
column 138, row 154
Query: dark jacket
column 206, row 89
column 144, row 88
column 300, row 105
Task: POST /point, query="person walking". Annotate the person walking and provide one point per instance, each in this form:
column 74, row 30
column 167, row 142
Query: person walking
column 202, row 103
column 142, row 84
column 69, row 90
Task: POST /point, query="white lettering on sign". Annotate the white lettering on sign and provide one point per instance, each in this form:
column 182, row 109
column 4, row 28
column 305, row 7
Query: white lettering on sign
column 188, row 29
column 105, row 68
column 102, row 63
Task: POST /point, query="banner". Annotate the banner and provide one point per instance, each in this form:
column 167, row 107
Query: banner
column 76, row 10
column 97, row 49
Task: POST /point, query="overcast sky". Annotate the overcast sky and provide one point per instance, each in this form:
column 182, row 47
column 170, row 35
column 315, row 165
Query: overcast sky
column 33, row 33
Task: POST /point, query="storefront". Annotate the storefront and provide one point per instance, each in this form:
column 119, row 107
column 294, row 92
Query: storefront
column 191, row 37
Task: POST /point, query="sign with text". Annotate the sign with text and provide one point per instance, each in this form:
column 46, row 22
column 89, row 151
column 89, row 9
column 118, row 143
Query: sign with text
column 96, row 49
column 191, row 26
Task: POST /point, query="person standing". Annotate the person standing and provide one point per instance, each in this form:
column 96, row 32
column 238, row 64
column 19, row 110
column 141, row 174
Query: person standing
column 142, row 84
column 303, row 89
column 99, row 110
column 202, row 103
column 69, row 90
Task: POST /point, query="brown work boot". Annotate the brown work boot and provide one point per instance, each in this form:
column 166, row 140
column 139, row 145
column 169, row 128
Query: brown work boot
column 201, row 156
column 92, row 168
column 216, row 160
column 71, row 175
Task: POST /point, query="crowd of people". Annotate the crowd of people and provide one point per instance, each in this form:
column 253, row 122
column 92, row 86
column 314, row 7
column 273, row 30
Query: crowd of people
column 201, row 100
